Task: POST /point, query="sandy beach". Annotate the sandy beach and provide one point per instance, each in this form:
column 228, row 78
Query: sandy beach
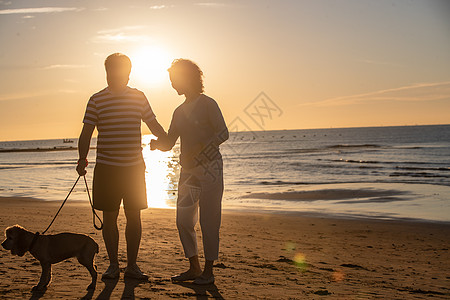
column 263, row 256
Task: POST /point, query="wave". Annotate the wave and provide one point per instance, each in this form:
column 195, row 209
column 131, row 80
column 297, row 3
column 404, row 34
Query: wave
column 418, row 174
column 9, row 168
column 347, row 146
column 37, row 149
column 38, row 163
column 369, row 195
column 333, row 147
column 426, row 169
column 281, row 182
column 383, row 162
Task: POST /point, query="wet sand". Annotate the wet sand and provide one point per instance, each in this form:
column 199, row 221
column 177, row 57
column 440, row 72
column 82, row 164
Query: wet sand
column 263, row 256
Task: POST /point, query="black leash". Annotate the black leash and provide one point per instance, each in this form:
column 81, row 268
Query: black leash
column 94, row 214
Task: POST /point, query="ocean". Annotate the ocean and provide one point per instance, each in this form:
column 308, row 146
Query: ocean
column 378, row 172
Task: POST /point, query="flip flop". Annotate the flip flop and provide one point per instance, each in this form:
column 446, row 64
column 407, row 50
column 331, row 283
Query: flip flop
column 184, row 277
column 204, row 281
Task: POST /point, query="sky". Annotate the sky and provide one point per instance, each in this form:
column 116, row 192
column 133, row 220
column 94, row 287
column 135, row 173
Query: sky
column 270, row 65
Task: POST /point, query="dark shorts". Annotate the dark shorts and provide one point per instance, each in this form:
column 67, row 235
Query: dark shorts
column 112, row 184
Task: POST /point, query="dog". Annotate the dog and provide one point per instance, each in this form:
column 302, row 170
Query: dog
column 52, row 249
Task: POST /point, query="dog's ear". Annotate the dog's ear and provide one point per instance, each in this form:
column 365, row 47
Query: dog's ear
column 9, row 230
column 20, row 240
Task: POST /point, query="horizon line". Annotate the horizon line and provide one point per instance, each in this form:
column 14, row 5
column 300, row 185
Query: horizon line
column 318, row 128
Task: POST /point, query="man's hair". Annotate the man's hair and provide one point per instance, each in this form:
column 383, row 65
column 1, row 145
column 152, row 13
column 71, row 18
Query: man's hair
column 188, row 68
column 118, row 59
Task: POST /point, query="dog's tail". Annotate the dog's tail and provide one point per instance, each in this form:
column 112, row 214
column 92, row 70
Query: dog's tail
column 94, row 245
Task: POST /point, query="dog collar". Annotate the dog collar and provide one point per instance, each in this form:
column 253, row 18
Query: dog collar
column 33, row 241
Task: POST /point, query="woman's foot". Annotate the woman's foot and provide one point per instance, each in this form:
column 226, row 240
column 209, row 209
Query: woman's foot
column 188, row 275
column 207, row 276
column 204, row 279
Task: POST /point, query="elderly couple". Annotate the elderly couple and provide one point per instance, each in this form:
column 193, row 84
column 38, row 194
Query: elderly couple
column 119, row 172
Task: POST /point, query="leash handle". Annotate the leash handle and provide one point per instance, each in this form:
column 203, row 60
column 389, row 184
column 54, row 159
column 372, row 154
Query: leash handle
column 94, row 213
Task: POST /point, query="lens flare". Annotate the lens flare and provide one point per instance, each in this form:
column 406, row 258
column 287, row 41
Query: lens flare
column 338, row 276
column 300, row 262
column 290, row 246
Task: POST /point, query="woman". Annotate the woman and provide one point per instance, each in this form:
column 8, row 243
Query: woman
column 199, row 123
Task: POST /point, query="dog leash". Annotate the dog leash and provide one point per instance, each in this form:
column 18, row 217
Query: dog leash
column 94, row 214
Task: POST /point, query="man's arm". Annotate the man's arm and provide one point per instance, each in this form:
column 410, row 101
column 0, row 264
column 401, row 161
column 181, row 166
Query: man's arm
column 83, row 147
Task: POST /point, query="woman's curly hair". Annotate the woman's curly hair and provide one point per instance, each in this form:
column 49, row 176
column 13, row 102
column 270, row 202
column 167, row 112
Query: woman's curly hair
column 186, row 67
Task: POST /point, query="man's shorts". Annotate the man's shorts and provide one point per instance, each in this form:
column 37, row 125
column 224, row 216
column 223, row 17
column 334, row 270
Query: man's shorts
column 113, row 183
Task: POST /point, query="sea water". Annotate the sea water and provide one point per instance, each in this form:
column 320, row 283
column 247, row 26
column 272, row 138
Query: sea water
column 377, row 172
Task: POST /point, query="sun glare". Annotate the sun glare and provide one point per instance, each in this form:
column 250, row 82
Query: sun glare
column 150, row 64
column 160, row 176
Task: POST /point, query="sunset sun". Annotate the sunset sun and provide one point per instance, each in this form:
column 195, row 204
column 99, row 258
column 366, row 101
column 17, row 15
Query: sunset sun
column 150, row 65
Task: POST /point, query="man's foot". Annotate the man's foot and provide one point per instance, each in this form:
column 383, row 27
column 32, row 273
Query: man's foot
column 112, row 272
column 134, row 272
column 188, row 275
column 202, row 280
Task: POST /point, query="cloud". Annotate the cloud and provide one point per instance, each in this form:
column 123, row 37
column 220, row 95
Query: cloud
column 156, row 7
column 210, row 4
column 100, row 9
column 121, row 29
column 121, row 34
column 38, row 10
column 414, row 92
column 52, row 67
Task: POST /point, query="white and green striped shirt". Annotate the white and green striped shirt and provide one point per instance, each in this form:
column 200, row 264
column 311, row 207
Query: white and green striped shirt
column 118, row 120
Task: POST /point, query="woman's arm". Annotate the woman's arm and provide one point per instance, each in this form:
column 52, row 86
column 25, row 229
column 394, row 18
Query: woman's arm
column 156, row 128
column 166, row 142
column 218, row 123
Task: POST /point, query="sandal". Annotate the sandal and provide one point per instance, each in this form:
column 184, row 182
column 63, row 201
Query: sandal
column 204, row 281
column 185, row 277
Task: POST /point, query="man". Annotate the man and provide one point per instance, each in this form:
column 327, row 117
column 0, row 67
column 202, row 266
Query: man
column 119, row 172
column 200, row 125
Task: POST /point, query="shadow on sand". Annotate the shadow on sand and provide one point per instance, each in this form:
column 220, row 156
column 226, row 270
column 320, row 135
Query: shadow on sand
column 35, row 295
column 201, row 291
column 110, row 284
column 128, row 291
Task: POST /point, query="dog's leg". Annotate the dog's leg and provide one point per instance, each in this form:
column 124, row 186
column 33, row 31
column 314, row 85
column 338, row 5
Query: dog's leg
column 46, row 276
column 86, row 258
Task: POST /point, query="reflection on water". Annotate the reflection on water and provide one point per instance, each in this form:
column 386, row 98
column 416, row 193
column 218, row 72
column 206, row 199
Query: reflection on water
column 161, row 175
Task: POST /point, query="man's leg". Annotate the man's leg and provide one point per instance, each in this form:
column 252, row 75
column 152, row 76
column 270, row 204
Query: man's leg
column 110, row 234
column 133, row 232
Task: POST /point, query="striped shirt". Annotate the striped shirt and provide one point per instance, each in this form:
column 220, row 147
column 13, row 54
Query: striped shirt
column 118, row 120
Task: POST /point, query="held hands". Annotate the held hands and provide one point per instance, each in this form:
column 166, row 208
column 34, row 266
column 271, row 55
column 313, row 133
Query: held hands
column 81, row 167
column 154, row 144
